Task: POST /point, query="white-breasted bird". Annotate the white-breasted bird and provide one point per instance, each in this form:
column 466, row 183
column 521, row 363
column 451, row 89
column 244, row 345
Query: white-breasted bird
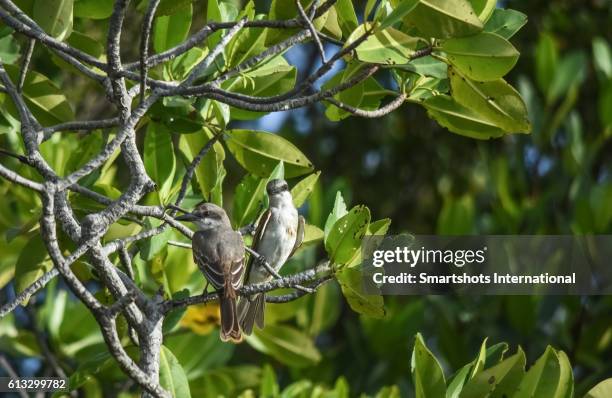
column 279, row 233
column 218, row 251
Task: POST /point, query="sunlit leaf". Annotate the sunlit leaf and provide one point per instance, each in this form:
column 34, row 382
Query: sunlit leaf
column 54, row 17
column 259, row 152
column 171, row 375
column 286, row 344
column 482, row 57
column 427, row 374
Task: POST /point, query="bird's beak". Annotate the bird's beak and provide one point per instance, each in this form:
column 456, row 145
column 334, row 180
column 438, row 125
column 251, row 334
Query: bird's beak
column 186, row 217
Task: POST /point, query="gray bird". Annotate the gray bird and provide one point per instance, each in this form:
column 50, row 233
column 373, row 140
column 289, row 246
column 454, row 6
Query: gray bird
column 218, row 251
column 279, row 233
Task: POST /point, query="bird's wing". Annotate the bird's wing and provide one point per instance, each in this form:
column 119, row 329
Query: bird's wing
column 299, row 235
column 261, row 228
column 237, row 261
column 207, row 260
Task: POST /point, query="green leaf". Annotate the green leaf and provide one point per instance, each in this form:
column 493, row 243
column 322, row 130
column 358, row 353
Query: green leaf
column 93, row 9
column 312, row 235
column 169, row 7
column 601, row 390
column 351, row 283
column 442, row 19
column 302, row 190
column 385, row 46
column 32, row 263
column 427, row 375
column 456, row 216
column 602, row 57
column 389, row 392
column 268, row 387
column 151, row 247
column 459, row 119
column 483, row 57
column 210, row 171
column 159, row 159
column 505, row 22
column 344, row 238
column 570, row 72
column 351, row 96
column 248, row 200
column 542, row 379
column 400, row 10
column 496, row 100
column 483, row 8
column 273, row 77
column 565, row 387
column 9, row 49
column 346, row 16
column 171, row 375
column 259, row 152
column 546, row 58
column 338, row 211
column 184, row 63
column 379, row 227
column 45, row 99
column 171, row 30
column 428, row 66
column 498, row 381
column 288, row 345
column 54, row 17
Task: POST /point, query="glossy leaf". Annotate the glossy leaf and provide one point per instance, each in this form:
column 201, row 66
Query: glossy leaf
column 483, row 57
column 379, row 227
column 45, row 99
column 496, row 100
column 351, row 283
column 170, row 30
column 93, row 9
column 497, row 381
column 249, row 200
column 159, row 159
column 344, row 238
column 443, row 19
column 601, row 390
column 386, row 46
column 483, row 8
column 338, row 211
column 427, row 375
column 542, row 379
column 347, row 18
column 286, row 344
column 171, row 375
column 210, row 170
column 302, row 190
column 259, row 152
column 505, row 22
column 54, row 17
column 459, row 119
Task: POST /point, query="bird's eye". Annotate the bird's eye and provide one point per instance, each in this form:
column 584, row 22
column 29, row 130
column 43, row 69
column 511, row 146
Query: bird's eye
column 206, row 213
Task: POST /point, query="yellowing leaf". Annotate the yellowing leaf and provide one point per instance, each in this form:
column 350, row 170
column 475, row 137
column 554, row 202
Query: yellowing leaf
column 202, row 318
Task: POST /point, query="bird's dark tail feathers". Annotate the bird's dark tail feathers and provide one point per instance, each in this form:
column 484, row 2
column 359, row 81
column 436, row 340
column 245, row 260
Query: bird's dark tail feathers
column 230, row 328
column 251, row 312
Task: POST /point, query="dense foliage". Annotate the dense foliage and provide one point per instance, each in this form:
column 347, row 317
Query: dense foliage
column 441, row 61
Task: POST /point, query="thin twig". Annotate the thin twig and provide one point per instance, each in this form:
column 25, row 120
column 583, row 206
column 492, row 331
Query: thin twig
column 312, row 28
column 25, row 65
